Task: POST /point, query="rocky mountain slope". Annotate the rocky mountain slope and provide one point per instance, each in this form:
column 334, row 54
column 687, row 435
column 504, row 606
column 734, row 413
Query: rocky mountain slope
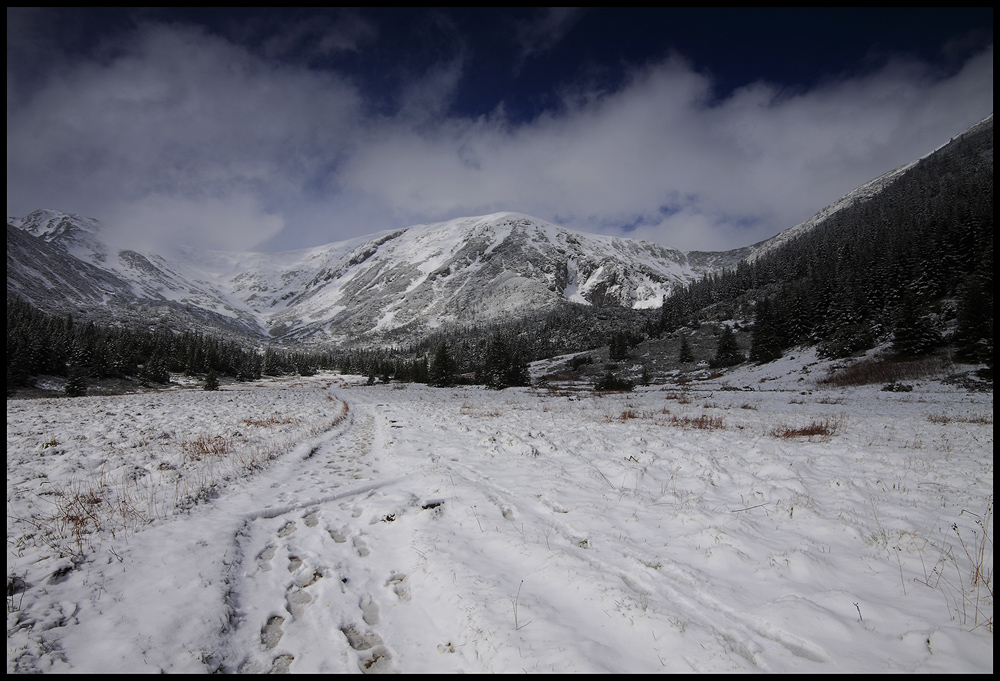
column 397, row 284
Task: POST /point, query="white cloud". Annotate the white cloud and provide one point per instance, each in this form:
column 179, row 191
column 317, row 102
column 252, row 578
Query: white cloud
column 177, row 117
column 163, row 221
column 757, row 162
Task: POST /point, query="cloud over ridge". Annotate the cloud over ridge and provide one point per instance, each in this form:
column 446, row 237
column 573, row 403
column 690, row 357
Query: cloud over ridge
column 181, row 126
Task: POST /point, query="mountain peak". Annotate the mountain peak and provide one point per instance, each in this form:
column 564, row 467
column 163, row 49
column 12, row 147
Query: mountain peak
column 77, row 234
column 401, row 283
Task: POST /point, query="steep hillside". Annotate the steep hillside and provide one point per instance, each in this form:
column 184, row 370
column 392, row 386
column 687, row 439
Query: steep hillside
column 906, row 259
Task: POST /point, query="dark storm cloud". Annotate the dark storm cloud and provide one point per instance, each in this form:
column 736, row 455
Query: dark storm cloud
column 172, row 128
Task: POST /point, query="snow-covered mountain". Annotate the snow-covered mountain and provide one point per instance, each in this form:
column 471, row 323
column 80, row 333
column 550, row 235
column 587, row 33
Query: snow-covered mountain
column 395, row 284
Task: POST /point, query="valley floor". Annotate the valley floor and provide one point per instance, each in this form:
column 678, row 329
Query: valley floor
column 323, row 525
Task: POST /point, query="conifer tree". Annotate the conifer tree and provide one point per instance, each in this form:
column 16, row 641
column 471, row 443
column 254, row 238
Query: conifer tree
column 419, row 373
column 727, row 353
column 914, row 333
column 685, row 356
column 765, row 344
column 974, row 336
column 442, row 370
column 504, row 366
column 618, row 347
column 76, row 384
column 155, row 370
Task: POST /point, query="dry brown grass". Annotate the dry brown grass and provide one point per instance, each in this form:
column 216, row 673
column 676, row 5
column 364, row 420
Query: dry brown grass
column 94, row 508
column 821, row 429
column 875, row 370
column 206, row 447
column 944, row 419
column 82, row 513
column 630, row 413
column 271, row 420
column 703, row 422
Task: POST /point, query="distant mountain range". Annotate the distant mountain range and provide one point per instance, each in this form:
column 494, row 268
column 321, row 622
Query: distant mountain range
column 390, row 287
column 398, row 284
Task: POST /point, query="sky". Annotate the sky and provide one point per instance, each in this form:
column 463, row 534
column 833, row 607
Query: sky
column 276, row 129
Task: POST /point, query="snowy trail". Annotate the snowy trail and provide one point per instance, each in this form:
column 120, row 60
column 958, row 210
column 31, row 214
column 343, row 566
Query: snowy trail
column 298, row 562
column 162, row 571
column 466, row 530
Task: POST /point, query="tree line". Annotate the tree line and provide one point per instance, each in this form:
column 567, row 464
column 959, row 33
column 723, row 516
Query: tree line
column 40, row 344
column 912, row 265
column 43, row 344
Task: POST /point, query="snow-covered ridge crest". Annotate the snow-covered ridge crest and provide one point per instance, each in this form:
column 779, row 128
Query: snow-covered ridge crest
column 465, row 270
column 862, row 193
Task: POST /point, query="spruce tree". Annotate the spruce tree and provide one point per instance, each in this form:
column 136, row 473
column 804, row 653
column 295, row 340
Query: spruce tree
column 686, row 356
column 76, row 369
column 504, row 366
column 419, row 372
column 914, row 333
column 765, row 344
column 974, row 336
column 727, row 353
column 76, row 384
column 155, row 371
column 618, row 347
column 441, row 373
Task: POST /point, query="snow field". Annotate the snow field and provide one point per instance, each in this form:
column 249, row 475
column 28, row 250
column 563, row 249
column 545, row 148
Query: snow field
column 136, row 458
column 671, row 529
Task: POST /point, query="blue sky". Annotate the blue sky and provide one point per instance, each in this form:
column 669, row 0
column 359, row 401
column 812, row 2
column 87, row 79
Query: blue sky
column 275, row 129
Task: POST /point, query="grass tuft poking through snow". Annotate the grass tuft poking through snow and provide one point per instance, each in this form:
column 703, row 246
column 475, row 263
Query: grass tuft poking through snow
column 822, row 429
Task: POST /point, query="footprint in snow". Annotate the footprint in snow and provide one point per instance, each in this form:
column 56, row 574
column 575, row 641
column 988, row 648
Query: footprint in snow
column 287, row 529
column 307, row 578
column 303, row 578
column 265, row 556
column 312, row 519
column 378, row 659
column 370, row 610
column 397, row 582
column 271, row 633
column 296, row 601
column 361, row 547
column 339, row 536
column 281, row 663
column 360, row 640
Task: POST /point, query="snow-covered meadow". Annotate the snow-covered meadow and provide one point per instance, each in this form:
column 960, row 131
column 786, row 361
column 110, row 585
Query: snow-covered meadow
column 320, row 524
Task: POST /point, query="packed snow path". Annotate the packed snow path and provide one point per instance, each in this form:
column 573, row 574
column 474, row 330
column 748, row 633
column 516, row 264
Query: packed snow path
column 474, row 531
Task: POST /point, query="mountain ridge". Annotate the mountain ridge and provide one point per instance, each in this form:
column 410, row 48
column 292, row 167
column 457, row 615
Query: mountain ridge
column 407, row 281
